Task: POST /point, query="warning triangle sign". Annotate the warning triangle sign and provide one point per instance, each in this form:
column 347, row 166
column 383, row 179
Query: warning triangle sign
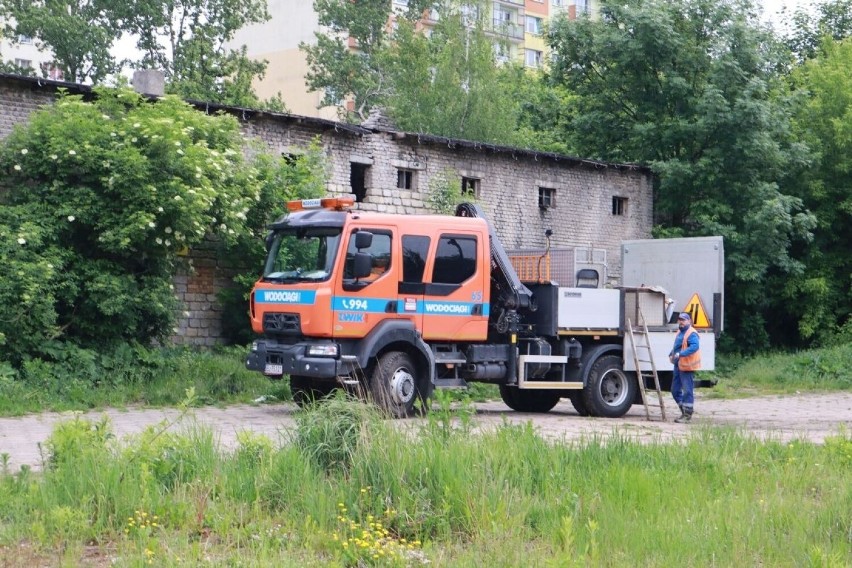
column 696, row 311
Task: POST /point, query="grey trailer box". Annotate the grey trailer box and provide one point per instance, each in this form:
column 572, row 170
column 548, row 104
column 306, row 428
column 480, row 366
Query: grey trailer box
column 684, row 267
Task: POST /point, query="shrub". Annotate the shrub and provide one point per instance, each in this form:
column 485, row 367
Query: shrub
column 330, row 432
column 103, row 195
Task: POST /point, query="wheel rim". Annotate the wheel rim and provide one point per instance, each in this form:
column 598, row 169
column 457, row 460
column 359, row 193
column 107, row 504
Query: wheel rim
column 402, row 386
column 613, row 387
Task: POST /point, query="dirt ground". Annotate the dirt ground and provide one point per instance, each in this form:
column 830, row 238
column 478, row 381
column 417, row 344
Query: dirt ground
column 802, row 416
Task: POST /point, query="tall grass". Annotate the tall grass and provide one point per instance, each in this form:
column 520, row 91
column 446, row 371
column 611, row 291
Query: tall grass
column 824, row 369
column 403, row 495
column 158, row 377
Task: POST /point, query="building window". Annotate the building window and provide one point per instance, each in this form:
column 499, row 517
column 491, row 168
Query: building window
column 532, row 58
column 581, row 6
column 51, row 71
column 557, row 3
column 405, row 179
column 546, row 197
column 358, row 180
column 470, row 187
column 23, row 63
column 533, row 25
column 619, row 205
column 501, row 52
column 25, row 40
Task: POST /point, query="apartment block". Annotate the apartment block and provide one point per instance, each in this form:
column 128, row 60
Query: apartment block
column 516, row 26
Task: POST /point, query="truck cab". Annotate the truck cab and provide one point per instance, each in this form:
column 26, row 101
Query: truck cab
column 342, row 288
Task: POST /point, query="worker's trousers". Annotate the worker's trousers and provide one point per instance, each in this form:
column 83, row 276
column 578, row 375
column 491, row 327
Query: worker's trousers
column 683, row 389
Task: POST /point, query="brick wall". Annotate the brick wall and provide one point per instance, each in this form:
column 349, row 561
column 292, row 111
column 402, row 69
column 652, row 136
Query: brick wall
column 509, row 180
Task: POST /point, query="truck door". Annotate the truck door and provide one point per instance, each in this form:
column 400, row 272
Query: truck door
column 455, row 298
column 360, row 304
column 415, row 251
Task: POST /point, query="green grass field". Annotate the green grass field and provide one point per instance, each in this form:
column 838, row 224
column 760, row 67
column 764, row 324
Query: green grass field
column 220, row 377
column 350, row 489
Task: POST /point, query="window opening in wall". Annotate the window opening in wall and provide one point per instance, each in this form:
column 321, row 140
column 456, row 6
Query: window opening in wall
column 24, row 63
column 619, row 205
column 532, row 57
column 470, row 186
column 534, row 25
column 546, row 197
column 290, row 158
column 405, row 179
column 358, row 180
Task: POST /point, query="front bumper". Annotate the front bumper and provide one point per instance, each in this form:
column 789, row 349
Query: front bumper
column 275, row 359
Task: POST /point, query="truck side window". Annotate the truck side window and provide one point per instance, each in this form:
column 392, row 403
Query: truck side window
column 455, row 260
column 415, row 248
column 379, row 251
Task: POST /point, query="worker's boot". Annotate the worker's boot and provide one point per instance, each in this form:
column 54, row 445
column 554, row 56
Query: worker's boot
column 682, row 413
column 685, row 417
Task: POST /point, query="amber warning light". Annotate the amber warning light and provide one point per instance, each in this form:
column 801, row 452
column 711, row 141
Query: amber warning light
column 336, row 203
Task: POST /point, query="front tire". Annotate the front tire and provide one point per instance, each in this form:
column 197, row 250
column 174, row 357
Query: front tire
column 396, row 385
column 539, row 401
column 610, row 390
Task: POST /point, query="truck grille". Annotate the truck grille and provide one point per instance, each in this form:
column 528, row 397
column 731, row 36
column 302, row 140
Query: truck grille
column 286, row 324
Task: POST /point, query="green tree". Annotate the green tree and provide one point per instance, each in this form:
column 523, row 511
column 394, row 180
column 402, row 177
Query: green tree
column 807, row 26
column 301, row 176
column 187, row 40
column 357, row 74
column 821, row 297
column 688, row 88
column 448, row 83
column 80, row 33
column 99, row 199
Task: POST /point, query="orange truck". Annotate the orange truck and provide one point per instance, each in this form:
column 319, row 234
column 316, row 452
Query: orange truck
column 397, row 305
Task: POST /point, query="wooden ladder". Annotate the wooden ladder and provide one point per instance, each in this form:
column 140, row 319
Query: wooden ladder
column 642, row 376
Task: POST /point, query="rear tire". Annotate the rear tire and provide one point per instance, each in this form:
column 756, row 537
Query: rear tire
column 397, row 384
column 610, row 391
column 529, row 400
column 576, row 398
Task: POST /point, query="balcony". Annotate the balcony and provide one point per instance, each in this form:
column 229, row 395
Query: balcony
column 514, row 2
column 507, row 29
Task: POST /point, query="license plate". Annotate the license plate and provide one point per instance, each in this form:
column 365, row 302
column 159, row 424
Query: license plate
column 272, row 369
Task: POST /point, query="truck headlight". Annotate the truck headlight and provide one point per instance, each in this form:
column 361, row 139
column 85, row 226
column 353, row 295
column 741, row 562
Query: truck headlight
column 254, row 346
column 323, row 350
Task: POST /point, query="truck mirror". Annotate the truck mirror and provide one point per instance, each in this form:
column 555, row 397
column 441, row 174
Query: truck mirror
column 363, row 264
column 363, row 239
column 269, row 238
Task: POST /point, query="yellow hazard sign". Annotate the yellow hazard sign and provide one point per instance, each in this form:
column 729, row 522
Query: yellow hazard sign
column 696, row 311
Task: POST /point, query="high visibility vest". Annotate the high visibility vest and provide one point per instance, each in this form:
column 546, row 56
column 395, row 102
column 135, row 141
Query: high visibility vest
column 689, row 362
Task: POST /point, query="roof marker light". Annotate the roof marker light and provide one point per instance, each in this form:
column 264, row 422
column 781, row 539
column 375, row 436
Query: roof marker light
column 335, row 203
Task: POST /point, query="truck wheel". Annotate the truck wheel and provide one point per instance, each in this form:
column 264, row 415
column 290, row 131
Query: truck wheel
column 396, row 384
column 610, row 390
column 576, row 398
column 528, row 400
column 304, row 392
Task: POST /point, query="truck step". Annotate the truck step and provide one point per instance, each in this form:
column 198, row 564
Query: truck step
column 450, row 383
column 450, row 357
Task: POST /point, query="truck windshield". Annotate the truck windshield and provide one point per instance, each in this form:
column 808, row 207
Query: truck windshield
column 302, row 255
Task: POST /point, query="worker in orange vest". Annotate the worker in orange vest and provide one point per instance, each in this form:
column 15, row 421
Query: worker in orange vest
column 686, row 357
